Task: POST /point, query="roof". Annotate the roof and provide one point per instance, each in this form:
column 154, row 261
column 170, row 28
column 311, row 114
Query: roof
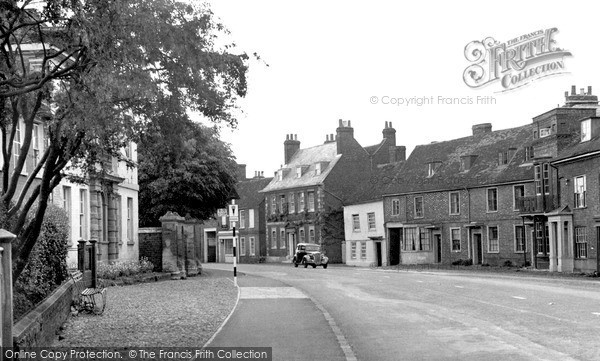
column 372, row 149
column 578, row 148
column 306, row 158
column 378, row 184
column 248, row 192
column 414, row 175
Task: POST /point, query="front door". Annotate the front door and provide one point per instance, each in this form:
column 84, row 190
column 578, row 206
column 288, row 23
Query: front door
column 438, row 245
column 292, row 243
column 478, row 248
column 378, row 252
column 394, row 246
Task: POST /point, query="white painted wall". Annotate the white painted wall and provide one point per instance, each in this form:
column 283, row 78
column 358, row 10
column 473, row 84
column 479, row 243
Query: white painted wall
column 362, row 236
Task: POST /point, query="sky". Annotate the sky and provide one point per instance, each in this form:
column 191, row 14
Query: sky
column 350, row 60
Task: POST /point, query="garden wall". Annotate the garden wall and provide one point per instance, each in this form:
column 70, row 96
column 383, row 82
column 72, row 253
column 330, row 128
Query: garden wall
column 151, row 247
column 38, row 327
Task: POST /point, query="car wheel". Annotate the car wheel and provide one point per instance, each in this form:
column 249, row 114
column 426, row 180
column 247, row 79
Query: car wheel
column 294, row 262
column 314, row 266
column 325, row 265
column 305, row 264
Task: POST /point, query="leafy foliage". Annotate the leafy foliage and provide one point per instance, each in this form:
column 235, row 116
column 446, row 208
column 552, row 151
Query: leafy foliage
column 183, row 167
column 96, row 73
column 332, row 228
column 47, row 267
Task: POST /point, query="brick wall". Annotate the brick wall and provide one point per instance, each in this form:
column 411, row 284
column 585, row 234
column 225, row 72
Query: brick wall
column 151, row 247
column 473, row 208
column 583, row 217
column 38, row 327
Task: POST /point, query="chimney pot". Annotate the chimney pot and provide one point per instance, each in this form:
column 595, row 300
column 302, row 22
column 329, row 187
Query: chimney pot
column 566, row 94
column 581, row 91
column 341, row 123
column 295, row 136
column 386, row 124
column 573, row 90
column 390, row 123
column 332, row 137
column 349, row 124
column 589, row 90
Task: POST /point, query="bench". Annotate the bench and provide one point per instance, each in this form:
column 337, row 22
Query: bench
column 90, row 300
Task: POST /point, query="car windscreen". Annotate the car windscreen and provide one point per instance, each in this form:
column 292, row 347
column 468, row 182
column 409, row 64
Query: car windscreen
column 313, row 248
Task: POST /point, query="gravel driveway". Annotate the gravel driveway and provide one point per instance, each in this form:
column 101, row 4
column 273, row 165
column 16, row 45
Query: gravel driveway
column 182, row 313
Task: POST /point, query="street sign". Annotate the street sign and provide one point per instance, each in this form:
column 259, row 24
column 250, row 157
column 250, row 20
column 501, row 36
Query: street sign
column 233, row 213
column 221, row 212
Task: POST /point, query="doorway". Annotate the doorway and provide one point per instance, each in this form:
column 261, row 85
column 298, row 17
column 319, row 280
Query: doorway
column 438, row 245
column 212, row 246
column 292, row 243
column 394, row 246
column 478, row 251
column 378, row 253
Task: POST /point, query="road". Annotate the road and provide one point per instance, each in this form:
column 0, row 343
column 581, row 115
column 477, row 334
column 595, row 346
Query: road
column 388, row 315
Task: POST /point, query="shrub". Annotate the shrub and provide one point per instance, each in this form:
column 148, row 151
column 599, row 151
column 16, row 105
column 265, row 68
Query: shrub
column 47, row 265
column 461, row 262
column 508, row 263
column 124, row 268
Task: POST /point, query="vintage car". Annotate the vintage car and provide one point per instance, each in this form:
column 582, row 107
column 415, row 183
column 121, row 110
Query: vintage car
column 310, row 254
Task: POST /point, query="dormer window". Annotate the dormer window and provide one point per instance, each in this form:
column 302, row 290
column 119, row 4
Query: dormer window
column 280, row 175
column 502, row 158
column 466, row 161
column 544, row 132
column 433, row 167
column 528, row 153
column 318, row 169
column 298, row 172
column 586, row 130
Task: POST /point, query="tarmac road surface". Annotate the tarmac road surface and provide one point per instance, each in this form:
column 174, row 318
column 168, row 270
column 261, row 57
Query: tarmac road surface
column 390, row 315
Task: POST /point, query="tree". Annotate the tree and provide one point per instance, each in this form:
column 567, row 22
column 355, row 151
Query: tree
column 94, row 73
column 183, row 167
column 331, row 221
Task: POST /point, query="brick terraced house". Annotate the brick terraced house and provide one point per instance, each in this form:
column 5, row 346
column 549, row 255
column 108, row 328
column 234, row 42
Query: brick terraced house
column 525, row 195
column 455, row 200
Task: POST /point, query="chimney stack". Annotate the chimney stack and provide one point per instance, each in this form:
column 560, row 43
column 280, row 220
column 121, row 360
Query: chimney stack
column 389, row 133
column 344, row 137
column 582, row 100
column 241, row 172
column 480, row 129
column 290, row 146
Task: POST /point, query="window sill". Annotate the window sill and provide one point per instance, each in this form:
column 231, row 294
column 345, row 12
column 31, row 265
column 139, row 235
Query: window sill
column 488, row 211
column 584, row 207
column 454, row 214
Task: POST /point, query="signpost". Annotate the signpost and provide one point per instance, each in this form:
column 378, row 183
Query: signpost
column 233, row 217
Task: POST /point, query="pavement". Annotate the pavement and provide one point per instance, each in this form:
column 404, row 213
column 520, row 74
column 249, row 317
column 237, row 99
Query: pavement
column 270, row 313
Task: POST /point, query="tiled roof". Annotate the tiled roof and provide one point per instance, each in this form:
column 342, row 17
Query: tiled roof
column 248, row 191
column 378, row 183
column 580, row 148
column 414, row 175
column 307, row 157
column 372, row 149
